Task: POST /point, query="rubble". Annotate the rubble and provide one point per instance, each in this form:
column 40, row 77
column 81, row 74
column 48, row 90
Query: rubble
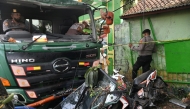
column 187, row 99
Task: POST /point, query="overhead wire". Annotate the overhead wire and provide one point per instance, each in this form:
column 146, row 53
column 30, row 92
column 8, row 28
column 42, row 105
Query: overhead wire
column 119, row 7
column 159, row 42
column 123, row 5
column 166, row 41
column 105, row 2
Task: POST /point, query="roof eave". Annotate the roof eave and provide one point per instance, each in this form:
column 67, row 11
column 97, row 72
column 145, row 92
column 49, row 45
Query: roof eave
column 154, row 12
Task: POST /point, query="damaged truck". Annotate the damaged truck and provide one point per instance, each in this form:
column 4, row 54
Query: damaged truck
column 34, row 70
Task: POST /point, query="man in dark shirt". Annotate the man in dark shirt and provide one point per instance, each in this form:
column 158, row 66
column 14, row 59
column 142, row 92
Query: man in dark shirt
column 15, row 22
column 145, row 49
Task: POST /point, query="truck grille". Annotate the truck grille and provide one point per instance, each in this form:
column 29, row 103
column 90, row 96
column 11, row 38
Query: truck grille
column 47, row 75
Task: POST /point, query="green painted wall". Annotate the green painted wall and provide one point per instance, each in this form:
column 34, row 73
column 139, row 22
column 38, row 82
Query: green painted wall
column 167, row 26
column 113, row 5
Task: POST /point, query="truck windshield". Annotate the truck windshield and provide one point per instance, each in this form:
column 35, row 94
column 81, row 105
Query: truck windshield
column 66, row 28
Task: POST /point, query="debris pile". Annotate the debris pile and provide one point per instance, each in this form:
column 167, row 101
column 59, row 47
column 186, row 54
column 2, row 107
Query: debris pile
column 187, row 99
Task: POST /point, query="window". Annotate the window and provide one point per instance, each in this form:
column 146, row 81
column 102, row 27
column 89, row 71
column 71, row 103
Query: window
column 41, row 25
column 87, row 29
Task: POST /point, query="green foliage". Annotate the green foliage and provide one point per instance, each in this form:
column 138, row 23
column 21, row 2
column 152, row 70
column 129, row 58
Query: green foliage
column 8, row 99
column 91, row 76
column 5, row 100
column 91, row 79
column 92, row 92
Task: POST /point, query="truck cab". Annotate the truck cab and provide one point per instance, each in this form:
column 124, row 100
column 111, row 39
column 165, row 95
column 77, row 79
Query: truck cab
column 35, row 70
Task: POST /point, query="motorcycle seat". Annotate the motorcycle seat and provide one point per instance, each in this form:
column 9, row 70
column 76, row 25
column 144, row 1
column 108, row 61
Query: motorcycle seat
column 142, row 77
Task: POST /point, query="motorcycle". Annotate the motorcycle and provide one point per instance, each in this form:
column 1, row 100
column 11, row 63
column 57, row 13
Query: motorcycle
column 124, row 102
column 110, row 92
column 147, row 89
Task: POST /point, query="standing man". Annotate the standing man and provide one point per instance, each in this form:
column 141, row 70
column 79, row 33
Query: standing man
column 15, row 22
column 145, row 49
column 104, row 60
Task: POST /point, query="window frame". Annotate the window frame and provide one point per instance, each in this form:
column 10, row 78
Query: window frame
column 31, row 29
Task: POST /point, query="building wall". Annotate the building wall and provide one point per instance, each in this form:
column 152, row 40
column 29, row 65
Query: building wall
column 168, row 27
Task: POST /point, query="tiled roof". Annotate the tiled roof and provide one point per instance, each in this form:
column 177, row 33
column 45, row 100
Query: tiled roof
column 145, row 6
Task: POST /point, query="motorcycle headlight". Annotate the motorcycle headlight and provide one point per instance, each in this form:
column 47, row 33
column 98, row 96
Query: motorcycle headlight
column 139, row 107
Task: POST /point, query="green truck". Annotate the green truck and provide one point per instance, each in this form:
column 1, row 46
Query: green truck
column 35, row 70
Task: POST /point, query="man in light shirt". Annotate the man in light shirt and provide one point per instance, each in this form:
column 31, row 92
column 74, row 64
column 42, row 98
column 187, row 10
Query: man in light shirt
column 77, row 28
column 15, row 22
column 145, row 50
column 104, row 60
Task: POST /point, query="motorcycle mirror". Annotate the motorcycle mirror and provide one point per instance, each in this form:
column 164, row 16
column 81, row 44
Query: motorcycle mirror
column 119, row 69
column 115, row 71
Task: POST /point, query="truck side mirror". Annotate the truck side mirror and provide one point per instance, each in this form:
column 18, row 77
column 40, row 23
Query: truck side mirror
column 109, row 18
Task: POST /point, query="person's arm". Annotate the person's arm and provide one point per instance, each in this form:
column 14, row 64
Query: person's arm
column 140, row 47
column 154, row 49
column 6, row 25
column 80, row 29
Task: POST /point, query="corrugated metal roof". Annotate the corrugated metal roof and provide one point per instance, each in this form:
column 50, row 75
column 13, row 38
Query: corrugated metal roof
column 145, row 6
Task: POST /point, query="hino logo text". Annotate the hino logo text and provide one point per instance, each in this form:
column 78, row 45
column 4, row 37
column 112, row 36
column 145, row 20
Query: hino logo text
column 22, row 60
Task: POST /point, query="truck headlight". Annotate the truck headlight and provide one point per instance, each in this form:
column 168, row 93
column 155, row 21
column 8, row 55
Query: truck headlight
column 23, row 82
column 18, row 71
column 31, row 94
